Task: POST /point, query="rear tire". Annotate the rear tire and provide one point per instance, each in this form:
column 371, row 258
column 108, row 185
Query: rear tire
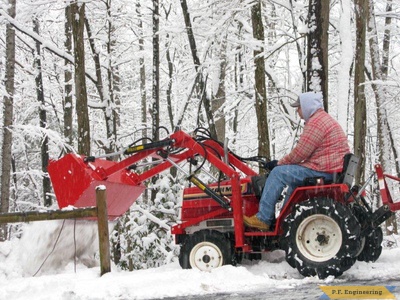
column 322, row 237
column 206, row 250
column 373, row 246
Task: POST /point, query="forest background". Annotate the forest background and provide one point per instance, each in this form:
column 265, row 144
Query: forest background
column 93, row 76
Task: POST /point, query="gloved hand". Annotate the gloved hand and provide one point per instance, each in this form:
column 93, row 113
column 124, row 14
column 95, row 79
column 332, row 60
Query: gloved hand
column 271, row 164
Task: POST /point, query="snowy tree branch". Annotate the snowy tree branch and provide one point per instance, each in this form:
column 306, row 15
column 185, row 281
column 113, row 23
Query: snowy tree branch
column 45, row 44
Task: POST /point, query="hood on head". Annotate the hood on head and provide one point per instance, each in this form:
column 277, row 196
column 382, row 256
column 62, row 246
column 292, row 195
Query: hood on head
column 310, row 102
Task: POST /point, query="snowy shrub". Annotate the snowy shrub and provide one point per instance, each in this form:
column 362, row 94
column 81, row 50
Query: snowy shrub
column 142, row 238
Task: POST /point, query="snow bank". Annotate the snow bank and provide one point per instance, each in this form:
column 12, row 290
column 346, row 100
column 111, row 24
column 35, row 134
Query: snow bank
column 48, row 246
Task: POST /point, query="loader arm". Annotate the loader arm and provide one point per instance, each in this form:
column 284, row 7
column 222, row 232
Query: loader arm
column 75, row 177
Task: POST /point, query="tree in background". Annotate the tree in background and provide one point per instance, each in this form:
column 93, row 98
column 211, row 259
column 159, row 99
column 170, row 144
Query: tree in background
column 360, row 115
column 143, row 93
column 345, row 66
column 155, row 109
column 317, row 48
column 219, row 96
column 68, row 103
column 78, row 27
column 8, row 115
column 200, row 80
column 387, row 151
column 107, row 92
column 260, row 89
column 44, row 151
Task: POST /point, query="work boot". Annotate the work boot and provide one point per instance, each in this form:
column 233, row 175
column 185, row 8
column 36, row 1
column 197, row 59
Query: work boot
column 254, row 222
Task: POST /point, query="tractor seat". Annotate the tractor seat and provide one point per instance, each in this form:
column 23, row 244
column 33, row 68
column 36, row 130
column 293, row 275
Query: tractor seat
column 350, row 163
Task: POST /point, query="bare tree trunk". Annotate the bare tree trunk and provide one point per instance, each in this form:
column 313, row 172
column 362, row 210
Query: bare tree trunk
column 8, row 115
column 379, row 91
column 155, row 109
column 78, row 24
column 386, row 39
column 360, row 115
column 106, row 98
column 238, row 87
column 260, row 85
column 155, row 113
column 169, row 88
column 220, row 97
column 173, row 170
column 43, row 118
column 239, row 80
column 170, row 72
column 143, row 94
column 301, row 47
column 384, row 70
column 317, row 58
column 116, row 86
column 346, row 63
column 113, row 79
column 271, row 21
column 384, row 134
column 68, row 104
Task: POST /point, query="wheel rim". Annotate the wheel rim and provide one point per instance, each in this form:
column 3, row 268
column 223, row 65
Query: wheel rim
column 318, row 238
column 206, row 256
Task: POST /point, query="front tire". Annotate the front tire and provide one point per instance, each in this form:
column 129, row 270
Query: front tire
column 322, row 237
column 205, row 250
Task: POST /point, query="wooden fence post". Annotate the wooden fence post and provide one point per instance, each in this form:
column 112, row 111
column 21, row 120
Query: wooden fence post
column 102, row 222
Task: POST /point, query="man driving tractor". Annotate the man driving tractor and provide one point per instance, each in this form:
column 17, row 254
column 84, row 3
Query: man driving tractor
column 318, row 153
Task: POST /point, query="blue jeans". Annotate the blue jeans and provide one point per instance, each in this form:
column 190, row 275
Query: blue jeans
column 291, row 176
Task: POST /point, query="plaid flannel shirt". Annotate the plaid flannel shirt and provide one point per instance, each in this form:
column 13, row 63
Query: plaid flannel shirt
column 321, row 146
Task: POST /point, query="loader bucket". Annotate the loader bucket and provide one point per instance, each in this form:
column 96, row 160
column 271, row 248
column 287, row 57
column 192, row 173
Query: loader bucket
column 74, row 182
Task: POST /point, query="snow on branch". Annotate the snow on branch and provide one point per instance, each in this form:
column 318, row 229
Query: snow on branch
column 45, row 44
column 152, row 218
column 38, row 133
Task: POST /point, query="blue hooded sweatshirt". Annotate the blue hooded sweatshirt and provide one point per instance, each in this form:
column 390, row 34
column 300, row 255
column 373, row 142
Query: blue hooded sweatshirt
column 310, row 102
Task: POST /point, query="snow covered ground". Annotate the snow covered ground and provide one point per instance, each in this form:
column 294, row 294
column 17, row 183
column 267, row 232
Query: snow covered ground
column 59, row 277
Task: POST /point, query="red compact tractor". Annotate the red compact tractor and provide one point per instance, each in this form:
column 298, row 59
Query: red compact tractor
column 324, row 228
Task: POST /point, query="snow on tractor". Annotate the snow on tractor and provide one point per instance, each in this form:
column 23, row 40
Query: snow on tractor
column 324, row 228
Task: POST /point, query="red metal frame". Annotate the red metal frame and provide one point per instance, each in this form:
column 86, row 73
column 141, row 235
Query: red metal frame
column 75, row 188
column 384, row 190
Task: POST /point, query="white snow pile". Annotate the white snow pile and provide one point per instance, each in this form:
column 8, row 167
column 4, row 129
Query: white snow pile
column 42, row 265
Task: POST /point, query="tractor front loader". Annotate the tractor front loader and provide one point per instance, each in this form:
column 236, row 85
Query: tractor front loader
column 324, row 228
